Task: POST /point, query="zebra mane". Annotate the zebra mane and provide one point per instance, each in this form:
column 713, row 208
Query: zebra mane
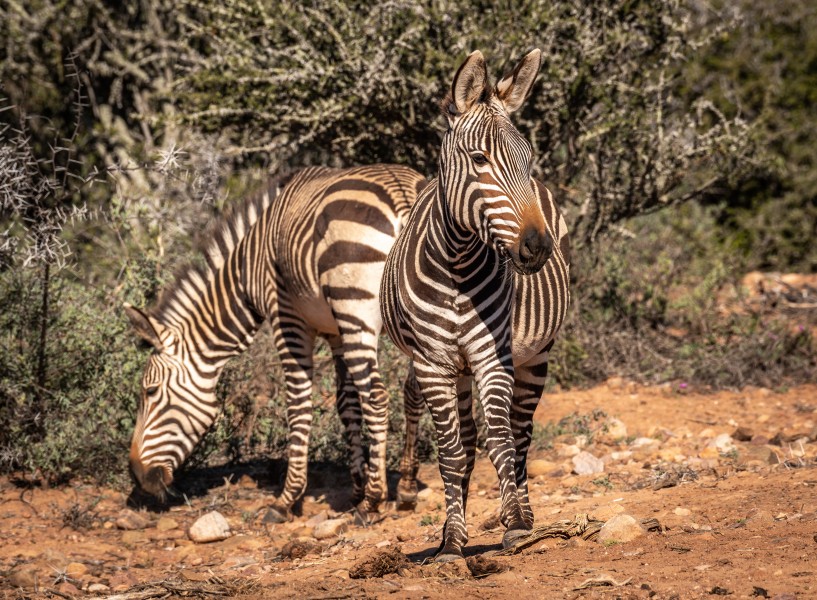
column 223, row 235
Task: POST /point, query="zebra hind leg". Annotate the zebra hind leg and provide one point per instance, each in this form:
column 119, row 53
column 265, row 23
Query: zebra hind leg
column 413, row 409
column 348, row 406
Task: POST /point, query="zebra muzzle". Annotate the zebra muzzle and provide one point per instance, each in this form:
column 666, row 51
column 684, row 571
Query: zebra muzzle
column 535, row 248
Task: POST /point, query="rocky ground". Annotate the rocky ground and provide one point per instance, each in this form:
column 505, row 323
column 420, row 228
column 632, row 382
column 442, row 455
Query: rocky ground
column 702, row 495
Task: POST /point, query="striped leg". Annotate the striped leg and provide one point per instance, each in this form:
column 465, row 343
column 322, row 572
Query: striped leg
column 348, row 405
column 468, row 430
column 439, row 391
column 413, row 407
column 495, row 387
column 359, row 348
column 528, row 387
column 295, row 342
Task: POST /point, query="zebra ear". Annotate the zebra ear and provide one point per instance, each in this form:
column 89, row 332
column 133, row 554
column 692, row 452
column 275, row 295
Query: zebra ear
column 469, row 84
column 147, row 328
column 515, row 87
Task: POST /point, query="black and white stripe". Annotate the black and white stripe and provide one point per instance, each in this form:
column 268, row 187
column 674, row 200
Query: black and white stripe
column 476, row 286
column 309, row 258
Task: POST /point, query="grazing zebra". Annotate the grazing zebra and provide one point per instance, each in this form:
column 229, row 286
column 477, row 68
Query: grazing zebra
column 309, row 260
column 476, row 287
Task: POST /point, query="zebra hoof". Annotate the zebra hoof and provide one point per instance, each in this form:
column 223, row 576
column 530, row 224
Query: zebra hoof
column 406, row 500
column 512, row 537
column 277, row 515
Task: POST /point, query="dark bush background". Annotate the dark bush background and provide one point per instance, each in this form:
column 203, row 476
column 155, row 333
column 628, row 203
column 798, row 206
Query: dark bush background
column 678, row 137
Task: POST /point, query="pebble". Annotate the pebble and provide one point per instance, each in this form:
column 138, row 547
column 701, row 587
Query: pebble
column 134, row 537
column 585, row 463
column 98, row 588
column 723, row 443
column 682, row 512
column 76, row 570
column 24, row 577
column 424, row 493
column 166, row 524
column 317, row 519
column 540, row 468
column 621, row 528
column 211, row 527
column 131, row 521
column 566, row 450
column 330, row 528
column 606, row 512
column 613, row 431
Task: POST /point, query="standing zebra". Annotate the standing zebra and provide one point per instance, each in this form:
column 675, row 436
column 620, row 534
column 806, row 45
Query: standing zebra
column 476, row 286
column 310, row 260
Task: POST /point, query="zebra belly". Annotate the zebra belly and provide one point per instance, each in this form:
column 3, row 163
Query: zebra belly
column 317, row 313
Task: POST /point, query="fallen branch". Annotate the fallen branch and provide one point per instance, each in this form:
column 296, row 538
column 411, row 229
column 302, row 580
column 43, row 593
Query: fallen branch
column 581, row 526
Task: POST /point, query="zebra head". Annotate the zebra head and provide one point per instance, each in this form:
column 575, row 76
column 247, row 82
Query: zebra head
column 485, row 163
column 177, row 404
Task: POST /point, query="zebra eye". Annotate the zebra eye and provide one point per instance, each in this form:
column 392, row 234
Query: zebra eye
column 150, row 390
column 479, row 158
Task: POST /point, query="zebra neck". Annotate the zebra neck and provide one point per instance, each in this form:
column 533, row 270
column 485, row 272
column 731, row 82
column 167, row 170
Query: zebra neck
column 458, row 246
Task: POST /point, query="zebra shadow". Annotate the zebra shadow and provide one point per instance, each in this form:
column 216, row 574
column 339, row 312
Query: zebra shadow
column 327, row 482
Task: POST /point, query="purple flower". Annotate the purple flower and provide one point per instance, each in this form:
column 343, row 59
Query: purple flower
column 683, row 385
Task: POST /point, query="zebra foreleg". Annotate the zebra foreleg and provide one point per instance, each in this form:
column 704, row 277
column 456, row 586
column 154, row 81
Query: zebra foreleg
column 529, row 383
column 495, row 387
column 295, row 342
column 439, row 391
column 413, row 407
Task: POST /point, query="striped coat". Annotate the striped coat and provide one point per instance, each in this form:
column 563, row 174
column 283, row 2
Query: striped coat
column 309, row 258
column 476, row 288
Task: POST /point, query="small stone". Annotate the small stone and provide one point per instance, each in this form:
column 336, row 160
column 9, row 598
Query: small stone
column 567, row 450
column 166, row 524
column 302, row 532
column 671, row 454
column 723, row 443
column 315, row 520
column 98, row 588
column 424, row 493
column 710, row 452
column 24, row 577
column 211, row 527
column 619, row 529
column 131, row 521
column 403, row 537
column 606, row 512
column 330, row 528
column 585, row 463
column 540, row 468
column 134, row 537
column 682, row 512
column 76, row 570
column 613, row 431
column 247, row 482
column 743, row 434
column 341, row 573
column 383, row 544
column 68, row 590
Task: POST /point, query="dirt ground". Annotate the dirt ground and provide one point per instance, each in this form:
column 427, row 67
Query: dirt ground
column 736, row 513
